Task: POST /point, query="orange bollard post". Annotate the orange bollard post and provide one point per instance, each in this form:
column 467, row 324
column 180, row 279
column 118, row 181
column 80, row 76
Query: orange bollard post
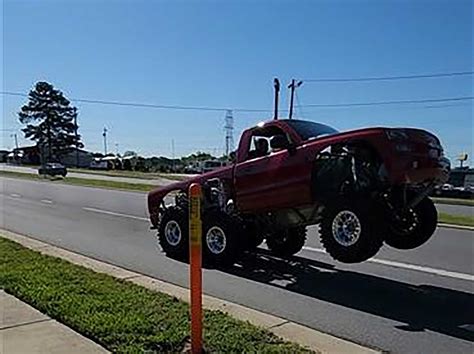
column 195, row 262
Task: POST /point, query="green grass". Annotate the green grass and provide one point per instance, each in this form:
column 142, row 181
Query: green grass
column 453, row 201
column 456, row 219
column 130, row 174
column 121, row 316
column 140, row 187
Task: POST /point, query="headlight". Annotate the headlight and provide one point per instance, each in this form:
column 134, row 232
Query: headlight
column 396, row 134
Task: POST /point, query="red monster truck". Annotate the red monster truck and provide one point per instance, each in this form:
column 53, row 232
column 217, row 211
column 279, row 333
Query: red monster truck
column 363, row 187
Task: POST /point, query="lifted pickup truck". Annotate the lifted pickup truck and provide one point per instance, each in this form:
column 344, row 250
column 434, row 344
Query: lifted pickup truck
column 363, row 187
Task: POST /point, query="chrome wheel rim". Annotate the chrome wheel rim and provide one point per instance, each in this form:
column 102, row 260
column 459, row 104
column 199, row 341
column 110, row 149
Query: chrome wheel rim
column 346, row 228
column 406, row 224
column 172, row 233
column 216, row 240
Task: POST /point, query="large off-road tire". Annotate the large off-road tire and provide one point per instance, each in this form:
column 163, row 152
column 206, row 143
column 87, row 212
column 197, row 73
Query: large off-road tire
column 222, row 241
column 350, row 231
column 414, row 228
column 173, row 233
column 254, row 241
column 287, row 242
column 253, row 235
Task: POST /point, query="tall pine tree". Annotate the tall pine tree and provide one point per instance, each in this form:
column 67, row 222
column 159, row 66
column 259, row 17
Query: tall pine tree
column 50, row 121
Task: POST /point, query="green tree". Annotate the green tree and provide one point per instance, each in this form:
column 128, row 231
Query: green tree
column 50, row 121
column 198, row 156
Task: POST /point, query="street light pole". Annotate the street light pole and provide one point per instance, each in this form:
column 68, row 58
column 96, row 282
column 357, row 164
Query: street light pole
column 172, row 155
column 77, row 138
column 16, row 140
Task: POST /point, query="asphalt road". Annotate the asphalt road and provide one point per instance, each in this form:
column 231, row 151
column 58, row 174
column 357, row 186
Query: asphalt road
column 419, row 301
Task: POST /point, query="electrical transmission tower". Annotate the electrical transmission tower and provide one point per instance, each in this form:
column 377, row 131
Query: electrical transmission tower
column 229, row 132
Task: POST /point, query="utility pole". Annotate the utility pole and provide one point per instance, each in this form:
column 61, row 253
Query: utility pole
column 77, row 137
column 276, row 86
column 172, row 155
column 104, row 134
column 16, row 139
column 116, row 149
column 229, row 132
column 48, row 120
column 293, row 86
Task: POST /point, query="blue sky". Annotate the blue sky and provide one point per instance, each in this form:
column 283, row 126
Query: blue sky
column 225, row 54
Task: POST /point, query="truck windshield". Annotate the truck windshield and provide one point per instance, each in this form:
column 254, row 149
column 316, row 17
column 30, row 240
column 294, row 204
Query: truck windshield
column 310, row 130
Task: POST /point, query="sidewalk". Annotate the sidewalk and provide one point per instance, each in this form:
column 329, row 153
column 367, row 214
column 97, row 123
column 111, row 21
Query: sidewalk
column 25, row 330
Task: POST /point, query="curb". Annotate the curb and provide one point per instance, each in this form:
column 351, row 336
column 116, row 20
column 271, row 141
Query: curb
column 454, row 226
column 315, row 340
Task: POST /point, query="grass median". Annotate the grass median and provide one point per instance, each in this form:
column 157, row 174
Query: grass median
column 99, row 183
column 462, row 220
column 454, row 201
column 131, row 174
column 121, row 316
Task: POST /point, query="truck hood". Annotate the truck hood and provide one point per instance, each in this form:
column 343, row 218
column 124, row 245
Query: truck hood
column 412, row 134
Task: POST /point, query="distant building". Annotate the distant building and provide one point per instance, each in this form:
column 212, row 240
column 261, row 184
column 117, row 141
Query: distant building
column 461, row 177
column 31, row 155
column 27, row 155
column 81, row 158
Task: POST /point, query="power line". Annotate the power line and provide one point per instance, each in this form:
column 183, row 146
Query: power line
column 149, row 105
column 216, row 109
column 298, row 105
column 391, row 78
column 381, row 103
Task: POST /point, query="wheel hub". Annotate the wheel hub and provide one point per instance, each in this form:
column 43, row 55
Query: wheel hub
column 406, row 223
column 172, row 233
column 216, row 240
column 346, row 228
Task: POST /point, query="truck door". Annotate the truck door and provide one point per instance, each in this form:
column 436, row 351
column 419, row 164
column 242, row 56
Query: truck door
column 271, row 177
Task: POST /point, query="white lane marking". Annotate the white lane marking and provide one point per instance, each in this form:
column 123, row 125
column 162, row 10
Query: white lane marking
column 46, row 201
column 442, row 272
column 15, row 195
column 107, row 212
